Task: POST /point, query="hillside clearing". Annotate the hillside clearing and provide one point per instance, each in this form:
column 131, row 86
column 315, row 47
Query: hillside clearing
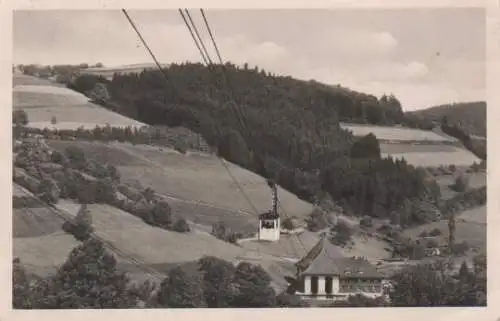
column 178, row 176
column 470, row 227
column 155, row 247
column 70, row 109
column 151, row 244
column 42, row 255
column 20, row 80
column 34, row 222
column 73, row 116
column 395, row 133
column 458, row 157
column 476, row 180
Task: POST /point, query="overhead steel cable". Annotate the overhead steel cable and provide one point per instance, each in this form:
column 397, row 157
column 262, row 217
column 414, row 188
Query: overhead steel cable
column 144, row 43
column 237, row 112
column 207, row 55
column 211, row 35
column 193, row 36
column 236, row 109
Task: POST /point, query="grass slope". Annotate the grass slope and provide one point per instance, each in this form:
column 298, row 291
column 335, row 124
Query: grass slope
column 71, row 109
column 429, row 151
column 395, row 133
column 198, row 186
column 470, row 227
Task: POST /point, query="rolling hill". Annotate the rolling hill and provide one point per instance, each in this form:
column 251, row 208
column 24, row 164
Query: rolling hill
column 470, row 116
column 108, row 72
column 199, row 189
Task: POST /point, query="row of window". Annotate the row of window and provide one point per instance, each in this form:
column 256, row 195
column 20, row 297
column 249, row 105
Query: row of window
column 362, row 288
column 359, row 281
column 346, row 285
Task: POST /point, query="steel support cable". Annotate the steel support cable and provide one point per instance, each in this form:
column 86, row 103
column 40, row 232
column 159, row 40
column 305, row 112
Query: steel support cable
column 207, row 55
column 207, row 25
column 193, row 36
column 144, row 43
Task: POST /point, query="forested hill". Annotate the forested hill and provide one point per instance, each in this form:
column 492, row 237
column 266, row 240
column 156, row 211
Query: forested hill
column 470, row 116
column 292, row 125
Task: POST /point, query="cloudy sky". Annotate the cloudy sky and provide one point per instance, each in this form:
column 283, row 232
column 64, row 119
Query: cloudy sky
column 423, row 56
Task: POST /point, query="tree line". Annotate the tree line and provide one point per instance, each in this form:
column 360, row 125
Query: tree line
column 90, row 279
column 51, row 175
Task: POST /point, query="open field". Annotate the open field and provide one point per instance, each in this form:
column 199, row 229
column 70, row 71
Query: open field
column 395, row 133
column 151, row 244
column 74, row 116
column 429, row 154
column 477, row 215
column 476, row 180
column 34, row 222
column 70, row 108
column 204, row 201
column 20, row 79
column 27, row 96
column 403, row 148
column 157, row 248
column 458, row 157
column 42, row 255
column 470, row 227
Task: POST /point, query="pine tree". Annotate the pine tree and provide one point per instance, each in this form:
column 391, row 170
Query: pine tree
column 88, row 280
column 181, row 290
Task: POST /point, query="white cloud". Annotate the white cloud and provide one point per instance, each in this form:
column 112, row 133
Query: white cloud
column 376, row 59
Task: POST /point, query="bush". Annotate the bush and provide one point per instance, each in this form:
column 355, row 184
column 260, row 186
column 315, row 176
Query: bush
column 461, row 184
column 435, row 232
column 366, row 222
column 366, row 147
column 342, row 233
column 286, row 300
column 58, row 158
column 181, row 226
column 81, row 227
column 432, row 243
column 288, row 224
column 459, row 248
column 48, row 191
column 318, row 220
column 423, row 234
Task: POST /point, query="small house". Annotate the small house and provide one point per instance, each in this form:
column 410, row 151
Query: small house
column 326, row 274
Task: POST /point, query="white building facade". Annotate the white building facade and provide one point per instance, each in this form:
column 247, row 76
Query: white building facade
column 325, row 274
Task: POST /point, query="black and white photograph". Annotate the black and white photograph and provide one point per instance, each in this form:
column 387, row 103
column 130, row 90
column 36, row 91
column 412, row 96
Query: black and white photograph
column 249, row 158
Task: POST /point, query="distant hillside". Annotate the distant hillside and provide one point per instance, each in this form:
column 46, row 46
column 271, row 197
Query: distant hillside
column 470, row 116
column 291, row 130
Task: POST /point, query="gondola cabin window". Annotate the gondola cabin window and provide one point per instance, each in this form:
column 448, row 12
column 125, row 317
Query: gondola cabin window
column 269, row 224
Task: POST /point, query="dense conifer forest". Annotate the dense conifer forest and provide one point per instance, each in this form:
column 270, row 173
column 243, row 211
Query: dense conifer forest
column 288, row 130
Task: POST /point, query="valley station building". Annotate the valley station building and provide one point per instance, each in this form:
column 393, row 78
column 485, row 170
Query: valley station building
column 324, row 273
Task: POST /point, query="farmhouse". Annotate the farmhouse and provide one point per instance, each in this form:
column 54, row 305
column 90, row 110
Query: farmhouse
column 325, row 274
column 269, row 222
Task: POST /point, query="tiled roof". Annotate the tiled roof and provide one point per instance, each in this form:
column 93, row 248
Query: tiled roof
column 326, row 259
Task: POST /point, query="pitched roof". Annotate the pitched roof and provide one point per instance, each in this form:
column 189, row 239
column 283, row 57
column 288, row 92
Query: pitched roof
column 326, row 259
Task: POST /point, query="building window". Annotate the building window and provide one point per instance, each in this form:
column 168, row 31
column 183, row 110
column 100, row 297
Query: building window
column 328, row 284
column 314, row 284
column 268, row 224
column 302, row 283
